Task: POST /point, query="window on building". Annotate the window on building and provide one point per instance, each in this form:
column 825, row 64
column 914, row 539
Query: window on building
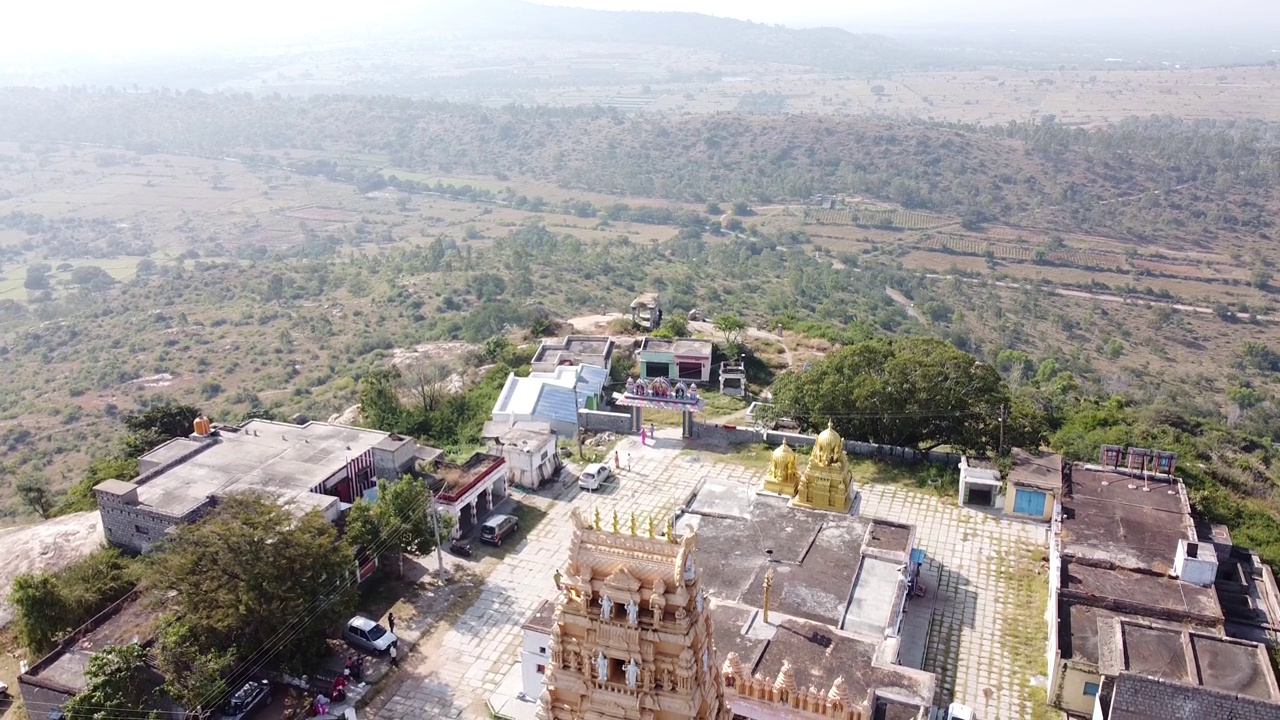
column 542, row 669
column 141, row 530
column 542, row 651
column 544, row 456
column 1091, row 689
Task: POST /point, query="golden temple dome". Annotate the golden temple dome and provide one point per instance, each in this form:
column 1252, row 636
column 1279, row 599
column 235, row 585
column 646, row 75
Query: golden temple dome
column 829, row 441
column 783, row 451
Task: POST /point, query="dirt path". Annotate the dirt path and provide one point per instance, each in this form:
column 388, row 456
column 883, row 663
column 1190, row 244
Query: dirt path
column 906, row 304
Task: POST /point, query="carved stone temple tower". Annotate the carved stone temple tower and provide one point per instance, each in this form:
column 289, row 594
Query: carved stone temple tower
column 631, row 635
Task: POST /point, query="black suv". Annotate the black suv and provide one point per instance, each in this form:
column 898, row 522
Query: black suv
column 252, row 696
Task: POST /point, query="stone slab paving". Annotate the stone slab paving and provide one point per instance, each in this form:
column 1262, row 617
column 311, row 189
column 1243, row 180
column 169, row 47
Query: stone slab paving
column 484, row 642
column 964, row 550
column 967, row 556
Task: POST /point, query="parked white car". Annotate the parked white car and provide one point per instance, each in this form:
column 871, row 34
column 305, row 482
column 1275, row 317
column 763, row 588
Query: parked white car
column 593, row 476
column 959, row 712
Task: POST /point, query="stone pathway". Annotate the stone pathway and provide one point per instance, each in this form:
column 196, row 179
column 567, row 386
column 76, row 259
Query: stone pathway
column 964, row 548
column 967, row 556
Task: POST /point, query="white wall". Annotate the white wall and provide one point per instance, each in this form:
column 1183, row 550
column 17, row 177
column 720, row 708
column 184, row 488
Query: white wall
column 533, row 652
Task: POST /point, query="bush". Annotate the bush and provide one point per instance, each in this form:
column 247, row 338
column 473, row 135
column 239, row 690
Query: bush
column 50, row 605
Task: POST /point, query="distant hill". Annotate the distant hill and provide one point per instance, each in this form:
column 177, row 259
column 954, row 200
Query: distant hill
column 824, row 48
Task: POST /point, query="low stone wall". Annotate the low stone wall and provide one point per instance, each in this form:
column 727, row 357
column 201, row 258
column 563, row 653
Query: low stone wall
column 775, row 437
column 600, row 421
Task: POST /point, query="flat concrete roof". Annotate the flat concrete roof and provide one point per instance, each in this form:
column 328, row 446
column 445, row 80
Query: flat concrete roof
column 280, row 459
column 1140, row 593
column 678, row 346
column 1038, row 470
column 575, row 349
column 1108, row 516
column 542, row 619
column 820, row 571
column 134, row 620
column 818, row 655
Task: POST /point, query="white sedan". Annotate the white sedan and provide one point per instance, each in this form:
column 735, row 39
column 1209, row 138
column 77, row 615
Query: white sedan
column 593, row 476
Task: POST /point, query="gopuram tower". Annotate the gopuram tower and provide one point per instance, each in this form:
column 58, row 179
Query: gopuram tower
column 631, row 636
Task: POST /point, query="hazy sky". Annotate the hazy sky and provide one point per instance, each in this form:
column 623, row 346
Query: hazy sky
column 36, row 30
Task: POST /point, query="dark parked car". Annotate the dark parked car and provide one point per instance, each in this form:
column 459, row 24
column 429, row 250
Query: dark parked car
column 251, row 696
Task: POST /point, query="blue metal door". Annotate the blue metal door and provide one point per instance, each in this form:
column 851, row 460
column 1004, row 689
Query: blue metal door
column 1029, row 502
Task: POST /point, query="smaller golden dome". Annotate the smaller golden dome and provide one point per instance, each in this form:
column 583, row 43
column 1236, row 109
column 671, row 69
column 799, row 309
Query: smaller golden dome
column 783, row 451
column 829, row 439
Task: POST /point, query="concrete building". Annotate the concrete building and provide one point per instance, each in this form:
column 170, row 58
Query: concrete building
column 1134, row 588
column 594, row 350
column 1029, row 489
column 534, row 653
column 687, row 359
column 733, row 379
column 60, row 675
column 551, row 397
column 807, row 620
column 316, row 466
column 529, row 449
column 646, row 311
column 468, row 492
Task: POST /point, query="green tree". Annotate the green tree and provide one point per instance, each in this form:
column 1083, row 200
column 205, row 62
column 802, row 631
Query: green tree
column 37, row 277
column 741, row 208
column 41, row 611
column 92, row 277
column 905, row 392
column 116, row 685
column 731, row 326
column 34, row 493
column 674, row 325
column 406, row 515
column 379, row 402
column 361, row 528
column 251, row 568
column 156, row 425
column 194, row 676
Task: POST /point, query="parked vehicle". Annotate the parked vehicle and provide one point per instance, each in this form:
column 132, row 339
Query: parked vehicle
column 460, row 549
column 364, row 634
column 594, row 476
column 959, row 712
column 4, row 692
column 497, row 528
column 248, row 699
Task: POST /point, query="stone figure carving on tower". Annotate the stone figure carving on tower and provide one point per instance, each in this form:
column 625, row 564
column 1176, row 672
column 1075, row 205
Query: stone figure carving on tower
column 633, row 673
column 633, row 612
column 606, row 608
column 602, row 667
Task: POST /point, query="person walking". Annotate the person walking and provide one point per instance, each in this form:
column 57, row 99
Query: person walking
column 653, row 433
column 617, row 464
column 391, row 622
column 642, row 436
column 628, row 462
column 392, row 653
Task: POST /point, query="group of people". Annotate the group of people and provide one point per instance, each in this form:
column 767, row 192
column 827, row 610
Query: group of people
column 352, row 672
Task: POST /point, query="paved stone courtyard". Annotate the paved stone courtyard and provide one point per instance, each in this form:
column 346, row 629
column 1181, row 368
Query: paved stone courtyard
column 963, row 547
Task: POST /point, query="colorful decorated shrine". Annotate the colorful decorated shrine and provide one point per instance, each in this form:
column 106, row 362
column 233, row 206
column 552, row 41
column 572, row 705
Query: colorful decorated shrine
column 660, row 393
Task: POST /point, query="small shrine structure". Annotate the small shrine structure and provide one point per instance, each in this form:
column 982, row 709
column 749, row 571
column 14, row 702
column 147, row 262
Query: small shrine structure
column 660, row 393
column 826, row 483
column 827, row 480
column 631, row 636
column 784, row 474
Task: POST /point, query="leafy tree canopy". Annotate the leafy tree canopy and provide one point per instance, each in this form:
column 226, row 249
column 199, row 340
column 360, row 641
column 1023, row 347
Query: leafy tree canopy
column 250, row 570
column 905, row 392
column 117, row 685
column 157, row 424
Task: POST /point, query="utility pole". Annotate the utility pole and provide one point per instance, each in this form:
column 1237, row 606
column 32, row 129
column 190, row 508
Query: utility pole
column 1001, row 450
column 435, row 518
column 577, row 417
